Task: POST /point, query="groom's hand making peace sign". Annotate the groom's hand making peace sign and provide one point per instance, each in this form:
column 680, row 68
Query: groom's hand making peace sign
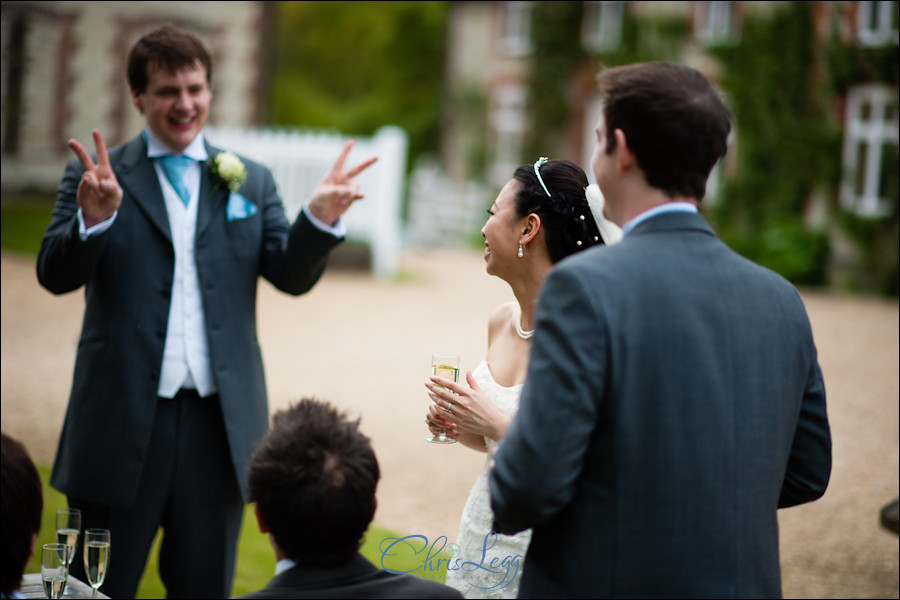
column 337, row 190
column 99, row 194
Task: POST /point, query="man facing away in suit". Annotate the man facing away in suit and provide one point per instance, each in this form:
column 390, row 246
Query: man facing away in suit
column 313, row 480
column 674, row 399
column 168, row 393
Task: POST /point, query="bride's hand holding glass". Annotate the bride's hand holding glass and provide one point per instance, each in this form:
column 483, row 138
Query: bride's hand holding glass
column 444, row 367
column 438, row 423
column 465, row 407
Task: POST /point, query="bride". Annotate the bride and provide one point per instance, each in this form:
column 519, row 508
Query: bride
column 543, row 214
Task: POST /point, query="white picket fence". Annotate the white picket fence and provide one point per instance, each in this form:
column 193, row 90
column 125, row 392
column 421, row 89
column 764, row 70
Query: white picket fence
column 444, row 212
column 299, row 159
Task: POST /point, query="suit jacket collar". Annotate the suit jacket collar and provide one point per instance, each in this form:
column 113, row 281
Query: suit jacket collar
column 673, row 221
column 310, row 578
column 212, row 199
column 138, row 179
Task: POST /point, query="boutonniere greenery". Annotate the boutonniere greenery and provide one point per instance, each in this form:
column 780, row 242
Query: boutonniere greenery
column 227, row 168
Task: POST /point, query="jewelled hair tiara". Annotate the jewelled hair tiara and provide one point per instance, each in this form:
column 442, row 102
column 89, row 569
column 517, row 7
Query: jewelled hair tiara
column 537, row 171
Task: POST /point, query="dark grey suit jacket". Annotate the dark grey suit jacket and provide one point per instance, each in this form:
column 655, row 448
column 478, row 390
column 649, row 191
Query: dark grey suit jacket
column 357, row 579
column 127, row 277
column 673, row 403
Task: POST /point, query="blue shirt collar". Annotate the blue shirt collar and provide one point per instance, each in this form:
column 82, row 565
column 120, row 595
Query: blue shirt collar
column 283, row 565
column 196, row 149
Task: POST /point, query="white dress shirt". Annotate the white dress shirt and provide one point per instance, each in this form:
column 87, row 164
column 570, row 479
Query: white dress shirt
column 185, row 361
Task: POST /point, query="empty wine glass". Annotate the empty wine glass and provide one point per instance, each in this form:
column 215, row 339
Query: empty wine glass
column 54, row 569
column 68, row 528
column 96, row 557
column 444, row 365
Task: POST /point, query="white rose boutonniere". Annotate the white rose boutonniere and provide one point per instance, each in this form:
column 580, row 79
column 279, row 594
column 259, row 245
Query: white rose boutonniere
column 227, row 168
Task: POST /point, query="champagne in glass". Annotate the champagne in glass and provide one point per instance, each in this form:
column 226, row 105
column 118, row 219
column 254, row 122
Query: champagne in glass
column 68, row 528
column 444, row 365
column 54, row 569
column 96, row 557
column 54, row 586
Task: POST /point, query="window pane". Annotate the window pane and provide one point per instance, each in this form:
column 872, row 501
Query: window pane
column 870, row 150
column 859, row 184
column 714, row 23
column 515, row 23
column 876, row 22
column 602, row 25
column 889, row 174
column 865, row 111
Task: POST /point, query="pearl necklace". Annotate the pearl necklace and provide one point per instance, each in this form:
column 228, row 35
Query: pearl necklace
column 525, row 335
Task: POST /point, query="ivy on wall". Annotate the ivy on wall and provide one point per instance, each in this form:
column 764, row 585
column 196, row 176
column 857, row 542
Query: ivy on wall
column 556, row 55
column 780, row 86
column 788, row 149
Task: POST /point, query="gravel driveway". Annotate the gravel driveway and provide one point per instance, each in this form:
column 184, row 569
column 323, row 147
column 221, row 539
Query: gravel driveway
column 365, row 345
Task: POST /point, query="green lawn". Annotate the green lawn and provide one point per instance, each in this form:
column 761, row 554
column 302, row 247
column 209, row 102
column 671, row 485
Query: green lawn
column 22, row 224
column 255, row 561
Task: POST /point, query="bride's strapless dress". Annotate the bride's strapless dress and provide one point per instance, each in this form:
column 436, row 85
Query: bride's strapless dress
column 488, row 565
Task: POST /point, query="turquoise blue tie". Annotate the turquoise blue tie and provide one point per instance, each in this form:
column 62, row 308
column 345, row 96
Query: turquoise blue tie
column 174, row 168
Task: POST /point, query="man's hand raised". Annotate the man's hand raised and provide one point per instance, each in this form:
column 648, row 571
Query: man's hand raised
column 337, row 190
column 99, row 194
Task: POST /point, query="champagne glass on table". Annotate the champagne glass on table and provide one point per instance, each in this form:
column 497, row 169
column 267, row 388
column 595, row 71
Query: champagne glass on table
column 446, row 365
column 54, row 569
column 96, row 557
column 68, row 528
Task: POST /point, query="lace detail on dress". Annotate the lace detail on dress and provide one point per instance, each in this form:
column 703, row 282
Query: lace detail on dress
column 488, row 565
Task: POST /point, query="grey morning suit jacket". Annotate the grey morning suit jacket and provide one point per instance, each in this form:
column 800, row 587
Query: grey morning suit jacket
column 673, row 403
column 127, row 276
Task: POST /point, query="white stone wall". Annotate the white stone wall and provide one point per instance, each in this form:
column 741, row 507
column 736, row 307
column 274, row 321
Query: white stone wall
column 75, row 81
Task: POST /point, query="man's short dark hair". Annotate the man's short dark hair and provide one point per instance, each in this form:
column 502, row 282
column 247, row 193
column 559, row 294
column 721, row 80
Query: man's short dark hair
column 313, row 477
column 168, row 48
column 675, row 122
column 22, row 502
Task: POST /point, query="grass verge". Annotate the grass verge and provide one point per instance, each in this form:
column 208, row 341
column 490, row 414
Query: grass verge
column 255, row 560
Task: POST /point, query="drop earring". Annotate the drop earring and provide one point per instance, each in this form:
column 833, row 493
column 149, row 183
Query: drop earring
column 521, row 252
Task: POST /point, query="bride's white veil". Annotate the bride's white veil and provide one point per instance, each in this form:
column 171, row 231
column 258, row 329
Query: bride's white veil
column 611, row 232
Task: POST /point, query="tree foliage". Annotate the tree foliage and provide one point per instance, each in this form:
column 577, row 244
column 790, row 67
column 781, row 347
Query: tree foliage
column 356, row 66
column 557, row 52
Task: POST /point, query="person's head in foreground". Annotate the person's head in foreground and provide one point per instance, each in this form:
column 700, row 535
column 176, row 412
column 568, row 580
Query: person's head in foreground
column 22, row 502
column 313, row 479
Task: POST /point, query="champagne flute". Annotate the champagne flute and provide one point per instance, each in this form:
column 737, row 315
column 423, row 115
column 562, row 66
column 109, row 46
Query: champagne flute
column 96, row 557
column 68, row 528
column 54, row 569
column 444, row 365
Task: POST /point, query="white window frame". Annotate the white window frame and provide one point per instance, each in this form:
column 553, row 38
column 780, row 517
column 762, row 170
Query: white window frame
column 716, row 23
column 601, row 26
column 864, row 139
column 515, row 27
column 876, row 23
column 507, row 123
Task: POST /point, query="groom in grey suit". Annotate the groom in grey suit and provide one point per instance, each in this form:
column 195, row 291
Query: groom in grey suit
column 674, row 400
column 168, row 395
